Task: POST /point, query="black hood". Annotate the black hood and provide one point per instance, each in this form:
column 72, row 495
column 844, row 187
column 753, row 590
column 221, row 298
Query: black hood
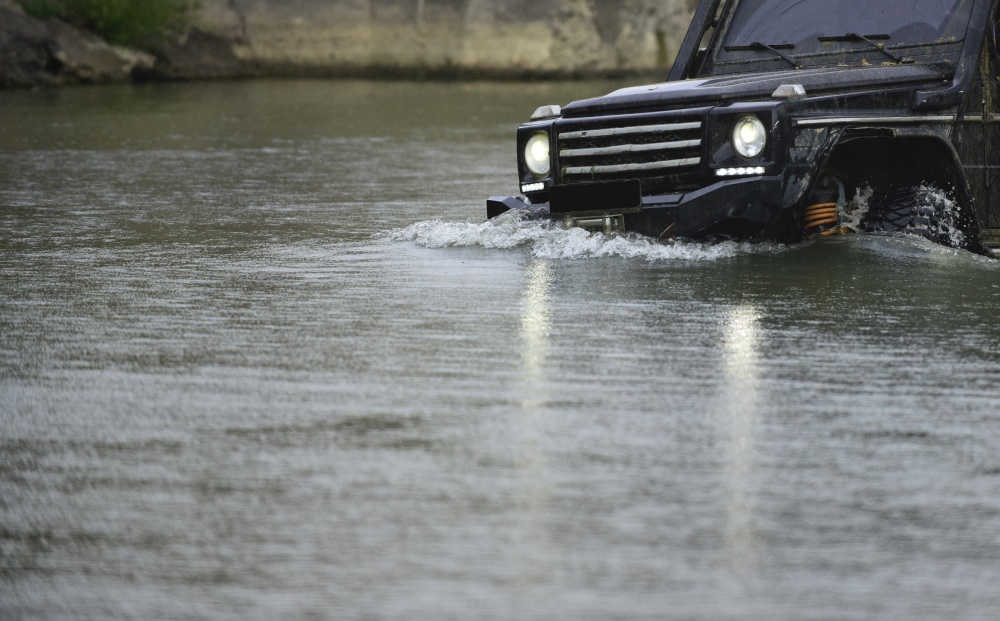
column 752, row 86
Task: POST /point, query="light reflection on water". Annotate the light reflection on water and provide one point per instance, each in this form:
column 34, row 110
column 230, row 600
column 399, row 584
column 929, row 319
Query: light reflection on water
column 260, row 357
column 534, row 479
column 741, row 340
column 536, row 323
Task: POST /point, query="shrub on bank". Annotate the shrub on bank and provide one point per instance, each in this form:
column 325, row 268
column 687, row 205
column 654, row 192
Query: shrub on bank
column 137, row 23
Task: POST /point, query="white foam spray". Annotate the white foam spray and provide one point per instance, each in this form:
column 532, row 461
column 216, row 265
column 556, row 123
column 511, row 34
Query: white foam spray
column 550, row 240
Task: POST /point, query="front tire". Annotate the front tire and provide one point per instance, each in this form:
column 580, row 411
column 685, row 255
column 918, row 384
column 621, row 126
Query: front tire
column 927, row 212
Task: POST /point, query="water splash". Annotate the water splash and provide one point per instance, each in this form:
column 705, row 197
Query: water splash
column 948, row 226
column 936, row 215
column 857, row 208
column 549, row 240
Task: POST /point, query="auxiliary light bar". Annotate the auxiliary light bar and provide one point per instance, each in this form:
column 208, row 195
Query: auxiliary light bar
column 532, row 187
column 736, row 172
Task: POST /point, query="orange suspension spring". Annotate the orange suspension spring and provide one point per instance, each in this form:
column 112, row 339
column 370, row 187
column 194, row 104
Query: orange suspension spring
column 817, row 216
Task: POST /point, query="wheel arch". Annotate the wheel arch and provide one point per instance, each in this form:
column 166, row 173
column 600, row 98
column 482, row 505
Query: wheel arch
column 886, row 158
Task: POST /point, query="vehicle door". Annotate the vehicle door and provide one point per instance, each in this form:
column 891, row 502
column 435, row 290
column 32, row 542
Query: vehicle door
column 991, row 116
column 971, row 142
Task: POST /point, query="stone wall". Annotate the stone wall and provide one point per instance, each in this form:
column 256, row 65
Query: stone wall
column 487, row 37
column 410, row 38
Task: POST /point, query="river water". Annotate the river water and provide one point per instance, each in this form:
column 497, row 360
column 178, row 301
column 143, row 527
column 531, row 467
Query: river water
column 261, row 358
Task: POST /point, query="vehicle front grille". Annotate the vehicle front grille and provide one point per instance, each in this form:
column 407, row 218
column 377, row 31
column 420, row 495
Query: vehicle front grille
column 660, row 150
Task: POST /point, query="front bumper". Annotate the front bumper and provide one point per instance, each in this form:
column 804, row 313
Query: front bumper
column 734, row 208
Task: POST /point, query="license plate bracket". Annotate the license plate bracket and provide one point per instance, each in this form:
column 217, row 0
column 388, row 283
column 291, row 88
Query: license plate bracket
column 618, row 195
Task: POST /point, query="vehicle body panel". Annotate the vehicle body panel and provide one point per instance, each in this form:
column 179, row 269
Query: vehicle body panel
column 882, row 114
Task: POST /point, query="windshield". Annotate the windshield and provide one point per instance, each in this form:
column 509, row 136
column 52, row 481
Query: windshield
column 803, row 22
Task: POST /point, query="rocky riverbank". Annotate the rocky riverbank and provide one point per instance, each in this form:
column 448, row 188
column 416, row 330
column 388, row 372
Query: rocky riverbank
column 447, row 38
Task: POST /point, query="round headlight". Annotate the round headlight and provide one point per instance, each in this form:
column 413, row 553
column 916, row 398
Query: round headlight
column 749, row 137
column 536, row 155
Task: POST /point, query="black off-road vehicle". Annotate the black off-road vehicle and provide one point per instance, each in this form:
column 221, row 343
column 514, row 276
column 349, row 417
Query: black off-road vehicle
column 781, row 116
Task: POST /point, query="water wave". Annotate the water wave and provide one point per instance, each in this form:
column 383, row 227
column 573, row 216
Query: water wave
column 550, row 240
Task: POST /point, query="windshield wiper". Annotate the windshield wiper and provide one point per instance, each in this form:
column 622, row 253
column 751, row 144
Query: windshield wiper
column 756, row 45
column 853, row 36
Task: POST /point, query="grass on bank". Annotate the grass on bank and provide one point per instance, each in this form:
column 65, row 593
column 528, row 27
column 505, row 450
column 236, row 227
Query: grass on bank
column 136, row 23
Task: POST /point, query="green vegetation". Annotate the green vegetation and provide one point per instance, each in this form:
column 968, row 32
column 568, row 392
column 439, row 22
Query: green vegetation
column 137, row 23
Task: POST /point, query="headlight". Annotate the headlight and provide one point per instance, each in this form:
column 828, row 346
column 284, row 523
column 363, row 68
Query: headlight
column 749, row 137
column 536, row 155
